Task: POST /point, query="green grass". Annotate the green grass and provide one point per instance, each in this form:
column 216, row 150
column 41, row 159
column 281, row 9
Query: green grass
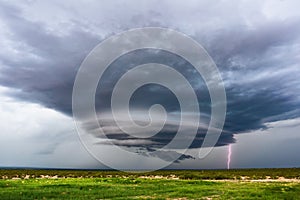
column 121, row 185
column 126, row 188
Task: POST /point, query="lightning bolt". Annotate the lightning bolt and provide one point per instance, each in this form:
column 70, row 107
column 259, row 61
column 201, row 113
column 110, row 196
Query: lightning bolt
column 229, row 156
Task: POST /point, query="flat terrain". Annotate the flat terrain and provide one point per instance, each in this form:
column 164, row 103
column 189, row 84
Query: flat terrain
column 184, row 184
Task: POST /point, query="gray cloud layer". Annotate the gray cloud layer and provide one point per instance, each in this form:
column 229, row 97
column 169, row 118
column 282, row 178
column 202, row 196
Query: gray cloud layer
column 256, row 52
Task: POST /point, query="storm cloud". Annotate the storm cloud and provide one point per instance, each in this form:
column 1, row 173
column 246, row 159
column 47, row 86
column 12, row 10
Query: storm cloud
column 256, row 51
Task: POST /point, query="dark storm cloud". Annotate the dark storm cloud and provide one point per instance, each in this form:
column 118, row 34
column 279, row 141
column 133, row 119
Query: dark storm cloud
column 261, row 73
column 47, row 77
column 259, row 65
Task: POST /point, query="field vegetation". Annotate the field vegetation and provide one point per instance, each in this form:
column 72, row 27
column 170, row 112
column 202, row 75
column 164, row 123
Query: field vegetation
column 181, row 184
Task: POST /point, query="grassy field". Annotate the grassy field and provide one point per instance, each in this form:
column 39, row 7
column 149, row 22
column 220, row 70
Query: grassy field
column 204, row 184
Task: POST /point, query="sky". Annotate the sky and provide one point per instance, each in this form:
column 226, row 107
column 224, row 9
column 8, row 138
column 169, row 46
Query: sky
column 254, row 44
